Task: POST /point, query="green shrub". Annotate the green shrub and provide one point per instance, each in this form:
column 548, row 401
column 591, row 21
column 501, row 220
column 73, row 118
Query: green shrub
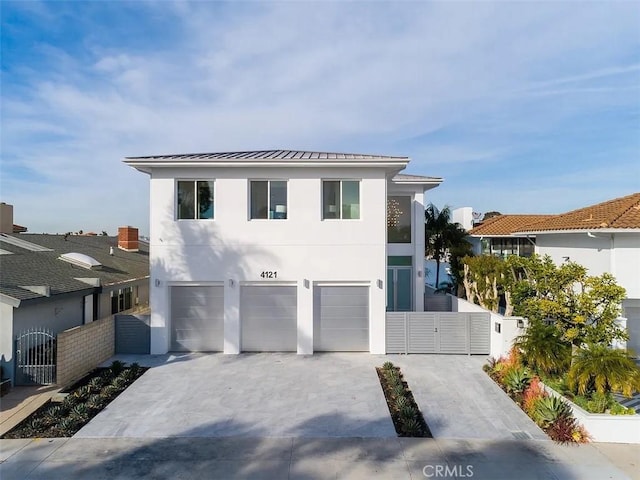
column 617, row 409
column 388, row 366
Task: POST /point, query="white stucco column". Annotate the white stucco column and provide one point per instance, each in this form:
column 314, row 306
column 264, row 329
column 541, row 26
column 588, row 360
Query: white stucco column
column 232, row 316
column 305, row 317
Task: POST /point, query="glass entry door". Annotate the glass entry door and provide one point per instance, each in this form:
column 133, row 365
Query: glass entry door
column 399, row 289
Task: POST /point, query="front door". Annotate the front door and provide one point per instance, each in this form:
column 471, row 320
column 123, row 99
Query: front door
column 399, row 289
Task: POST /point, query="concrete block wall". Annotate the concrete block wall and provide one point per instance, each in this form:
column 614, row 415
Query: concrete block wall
column 81, row 349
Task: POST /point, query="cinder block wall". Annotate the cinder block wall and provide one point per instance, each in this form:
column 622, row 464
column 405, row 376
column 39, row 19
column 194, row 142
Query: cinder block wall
column 81, row 349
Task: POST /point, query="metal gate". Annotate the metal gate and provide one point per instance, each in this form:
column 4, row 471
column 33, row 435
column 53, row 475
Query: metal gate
column 438, row 332
column 35, row 357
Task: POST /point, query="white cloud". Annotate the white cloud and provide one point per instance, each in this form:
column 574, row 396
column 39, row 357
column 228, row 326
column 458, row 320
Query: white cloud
column 302, row 75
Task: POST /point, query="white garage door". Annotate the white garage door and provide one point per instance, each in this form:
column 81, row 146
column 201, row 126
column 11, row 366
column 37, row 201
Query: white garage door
column 341, row 319
column 197, row 318
column 633, row 328
column 268, row 318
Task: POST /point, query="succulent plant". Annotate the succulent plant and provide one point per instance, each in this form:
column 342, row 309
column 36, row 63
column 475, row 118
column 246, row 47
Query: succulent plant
column 95, row 384
column 95, row 402
column 80, row 411
column 412, row 427
column 398, row 390
column 401, row 402
column 82, row 392
column 116, row 367
column 120, row 383
column 408, row 412
column 388, row 366
column 109, row 391
column 69, row 402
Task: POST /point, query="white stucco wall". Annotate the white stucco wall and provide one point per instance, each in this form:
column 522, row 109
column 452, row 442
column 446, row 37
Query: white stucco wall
column 617, row 253
column 6, row 339
column 302, row 249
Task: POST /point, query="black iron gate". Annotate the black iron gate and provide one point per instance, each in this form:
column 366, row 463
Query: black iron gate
column 35, row 357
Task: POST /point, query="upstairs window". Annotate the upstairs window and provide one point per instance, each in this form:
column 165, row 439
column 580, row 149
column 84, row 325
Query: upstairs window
column 195, row 199
column 341, row 199
column 268, row 199
column 398, row 219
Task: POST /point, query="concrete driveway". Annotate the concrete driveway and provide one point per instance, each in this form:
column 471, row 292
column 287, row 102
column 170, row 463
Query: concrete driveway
column 251, row 395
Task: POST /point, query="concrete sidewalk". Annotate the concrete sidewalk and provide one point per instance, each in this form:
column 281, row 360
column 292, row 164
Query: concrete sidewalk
column 305, row 459
column 21, row 402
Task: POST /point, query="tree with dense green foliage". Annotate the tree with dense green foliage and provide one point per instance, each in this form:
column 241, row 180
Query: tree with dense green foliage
column 583, row 308
column 598, row 368
column 441, row 236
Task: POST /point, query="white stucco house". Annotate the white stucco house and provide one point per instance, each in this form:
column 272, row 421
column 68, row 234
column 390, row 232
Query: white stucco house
column 282, row 250
column 603, row 238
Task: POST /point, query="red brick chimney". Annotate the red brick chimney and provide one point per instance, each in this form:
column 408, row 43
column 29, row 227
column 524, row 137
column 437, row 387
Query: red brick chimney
column 128, row 239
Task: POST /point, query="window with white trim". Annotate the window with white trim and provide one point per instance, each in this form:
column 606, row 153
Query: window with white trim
column 268, row 199
column 194, row 200
column 341, row 199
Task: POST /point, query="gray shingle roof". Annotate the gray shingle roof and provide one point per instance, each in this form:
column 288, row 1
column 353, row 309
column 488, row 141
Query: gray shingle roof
column 269, row 155
column 24, row 267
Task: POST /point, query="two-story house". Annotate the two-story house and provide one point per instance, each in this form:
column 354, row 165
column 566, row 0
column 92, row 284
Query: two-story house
column 282, row 250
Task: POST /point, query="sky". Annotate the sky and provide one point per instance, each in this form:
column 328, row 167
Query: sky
column 520, row 107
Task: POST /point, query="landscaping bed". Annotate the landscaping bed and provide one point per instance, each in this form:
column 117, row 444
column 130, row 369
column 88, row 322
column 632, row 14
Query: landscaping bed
column 78, row 404
column 407, row 418
column 553, row 415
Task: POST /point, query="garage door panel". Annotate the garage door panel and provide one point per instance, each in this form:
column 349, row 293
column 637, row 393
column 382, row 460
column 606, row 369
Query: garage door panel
column 341, row 318
column 269, row 318
column 197, row 318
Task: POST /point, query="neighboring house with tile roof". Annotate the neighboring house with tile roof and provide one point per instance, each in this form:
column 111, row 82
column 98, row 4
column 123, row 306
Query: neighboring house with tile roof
column 282, row 250
column 63, row 281
column 603, row 238
column 496, row 236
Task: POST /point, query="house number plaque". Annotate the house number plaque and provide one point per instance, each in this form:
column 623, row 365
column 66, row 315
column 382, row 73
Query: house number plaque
column 269, row 274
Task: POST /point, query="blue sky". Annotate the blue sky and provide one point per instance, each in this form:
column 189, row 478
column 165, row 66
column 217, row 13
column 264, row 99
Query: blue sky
column 521, row 107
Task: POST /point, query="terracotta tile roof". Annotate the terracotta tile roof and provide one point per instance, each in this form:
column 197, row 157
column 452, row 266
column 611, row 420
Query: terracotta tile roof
column 506, row 224
column 623, row 212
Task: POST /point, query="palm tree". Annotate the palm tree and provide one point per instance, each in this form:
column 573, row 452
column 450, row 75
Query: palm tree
column 543, row 348
column 441, row 235
column 602, row 369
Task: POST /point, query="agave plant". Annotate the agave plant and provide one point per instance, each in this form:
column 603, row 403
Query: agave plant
column 408, row 412
column 70, row 401
column 401, row 401
column 601, row 369
column 120, row 383
column 95, row 384
column 80, row 411
column 549, row 409
column 117, row 367
column 95, row 402
column 82, row 392
column 109, row 391
column 516, row 380
column 388, row 366
column 398, row 390
column 412, row 427
column 67, row 426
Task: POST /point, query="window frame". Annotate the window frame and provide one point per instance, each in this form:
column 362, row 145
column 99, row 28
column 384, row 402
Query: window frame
column 268, row 180
column 340, row 190
column 195, row 197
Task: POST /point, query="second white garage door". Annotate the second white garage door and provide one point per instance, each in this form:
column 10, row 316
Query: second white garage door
column 268, row 318
column 341, row 319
